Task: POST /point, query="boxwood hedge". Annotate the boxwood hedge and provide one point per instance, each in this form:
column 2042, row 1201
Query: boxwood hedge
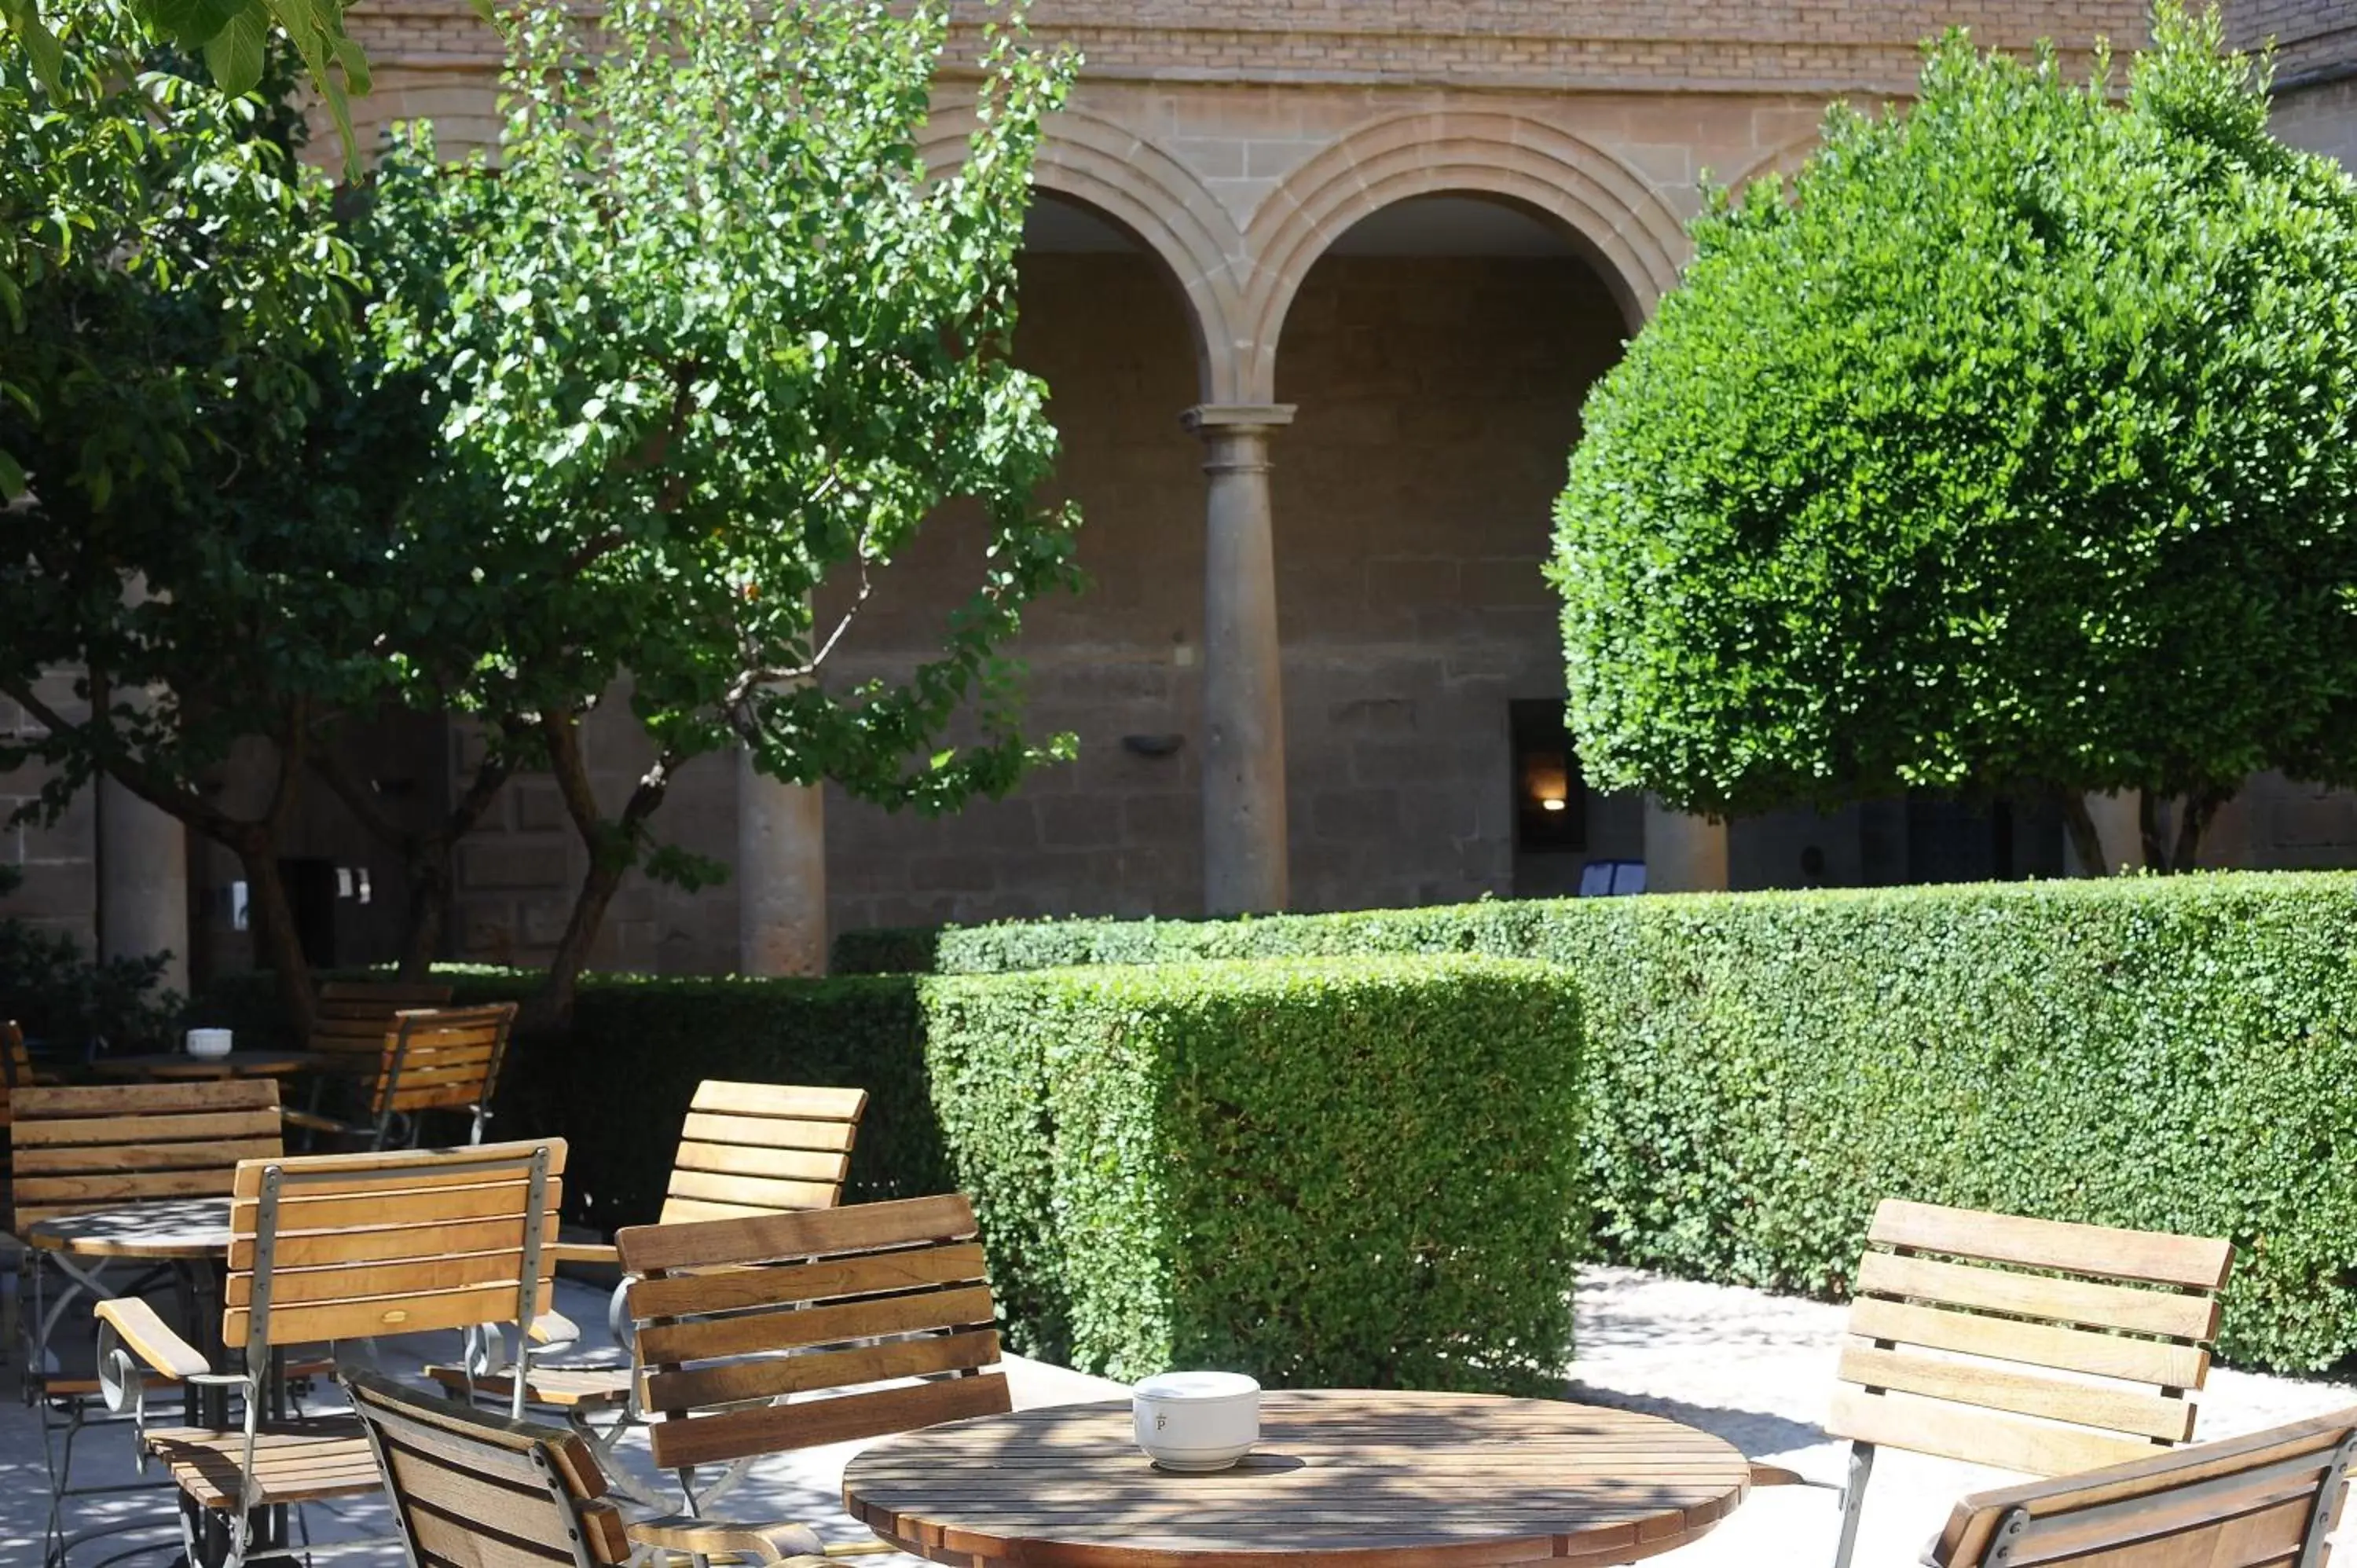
column 2173, row 1053
column 1347, row 1173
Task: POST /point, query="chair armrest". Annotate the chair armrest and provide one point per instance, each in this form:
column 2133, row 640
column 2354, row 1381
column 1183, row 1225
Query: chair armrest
column 775, row 1542
column 585, row 1253
column 313, row 1122
column 553, row 1329
column 150, row 1338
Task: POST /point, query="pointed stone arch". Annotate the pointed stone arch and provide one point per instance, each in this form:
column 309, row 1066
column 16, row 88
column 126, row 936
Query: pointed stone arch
column 1612, row 216
column 1147, row 193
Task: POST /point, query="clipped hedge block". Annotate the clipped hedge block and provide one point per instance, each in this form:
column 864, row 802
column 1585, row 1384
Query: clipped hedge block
column 1337, row 1173
column 2170, row 1053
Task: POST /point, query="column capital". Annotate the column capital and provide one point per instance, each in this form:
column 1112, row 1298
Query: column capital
column 1218, row 418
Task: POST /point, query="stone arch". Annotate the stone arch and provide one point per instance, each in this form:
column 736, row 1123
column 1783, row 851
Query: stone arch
column 1618, row 221
column 1147, row 193
column 1785, row 160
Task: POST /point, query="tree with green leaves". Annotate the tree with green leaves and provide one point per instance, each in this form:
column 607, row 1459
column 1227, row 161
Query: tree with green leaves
column 2016, row 451
column 713, row 348
column 208, row 494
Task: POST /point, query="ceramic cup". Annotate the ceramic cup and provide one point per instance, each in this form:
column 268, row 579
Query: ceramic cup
column 209, row 1042
column 1196, row 1420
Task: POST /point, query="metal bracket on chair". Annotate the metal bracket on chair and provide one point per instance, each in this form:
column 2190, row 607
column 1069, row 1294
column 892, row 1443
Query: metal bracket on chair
column 2328, row 1499
column 2010, row 1531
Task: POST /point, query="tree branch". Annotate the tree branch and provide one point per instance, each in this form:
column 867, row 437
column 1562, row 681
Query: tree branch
column 134, row 775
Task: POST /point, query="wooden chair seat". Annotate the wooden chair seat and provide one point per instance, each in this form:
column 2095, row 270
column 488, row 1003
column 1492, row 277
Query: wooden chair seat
column 558, row 1387
column 294, row 1462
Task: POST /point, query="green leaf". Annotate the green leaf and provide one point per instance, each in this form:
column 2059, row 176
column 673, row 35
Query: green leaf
column 41, row 46
column 12, row 477
column 235, row 54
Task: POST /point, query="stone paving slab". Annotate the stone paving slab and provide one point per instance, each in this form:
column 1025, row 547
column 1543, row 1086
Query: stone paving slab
column 1753, row 1368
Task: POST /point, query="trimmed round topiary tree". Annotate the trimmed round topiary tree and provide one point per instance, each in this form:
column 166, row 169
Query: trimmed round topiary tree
column 2016, row 450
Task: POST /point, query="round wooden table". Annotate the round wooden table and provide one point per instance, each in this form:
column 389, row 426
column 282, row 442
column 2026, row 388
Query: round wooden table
column 174, row 1066
column 178, row 1230
column 1339, row 1474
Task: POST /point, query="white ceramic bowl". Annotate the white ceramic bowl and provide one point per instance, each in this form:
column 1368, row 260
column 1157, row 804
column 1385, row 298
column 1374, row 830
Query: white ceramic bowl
column 1196, row 1420
column 209, row 1043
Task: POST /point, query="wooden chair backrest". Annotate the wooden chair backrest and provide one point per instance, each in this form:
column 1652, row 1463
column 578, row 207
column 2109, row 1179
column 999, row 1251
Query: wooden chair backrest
column 80, row 1148
column 441, row 1058
column 327, row 1246
column 468, row 1488
column 16, row 1063
column 1962, row 1321
column 833, row 1301
column 2269, row 1498
column 15, row 1070
column 761, row 1148
column 350, row 1018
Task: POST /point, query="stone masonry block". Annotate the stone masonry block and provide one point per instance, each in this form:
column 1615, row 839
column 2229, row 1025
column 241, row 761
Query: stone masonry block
column 538, row 808
column 1080, row 821
column 494, row 865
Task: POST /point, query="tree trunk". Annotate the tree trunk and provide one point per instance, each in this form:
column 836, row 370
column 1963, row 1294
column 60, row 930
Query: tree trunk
column 431, row 885
column 272, row 917
column 2085, row 840
column 613, row 850
column 2152, row 831
column 2195, row 817
column 552, row 1008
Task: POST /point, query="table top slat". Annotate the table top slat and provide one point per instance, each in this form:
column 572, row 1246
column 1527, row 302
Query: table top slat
column 1341, row 1480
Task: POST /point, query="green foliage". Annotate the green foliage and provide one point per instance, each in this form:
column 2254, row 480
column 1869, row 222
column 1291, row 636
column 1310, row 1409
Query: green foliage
column 1344, row 1174
column 215, row 473
column 235, row 38
column 2017, row 448
column 711, row 349
column 1759, row 1069
column 63, row 998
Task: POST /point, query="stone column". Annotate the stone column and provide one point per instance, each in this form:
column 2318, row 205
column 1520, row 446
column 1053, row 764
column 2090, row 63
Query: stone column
column 143, row 882
column 1682, row 853
column 781, row 875
column 1244, row 693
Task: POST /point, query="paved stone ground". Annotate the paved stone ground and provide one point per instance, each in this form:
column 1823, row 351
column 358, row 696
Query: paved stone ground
column 1753, row 1368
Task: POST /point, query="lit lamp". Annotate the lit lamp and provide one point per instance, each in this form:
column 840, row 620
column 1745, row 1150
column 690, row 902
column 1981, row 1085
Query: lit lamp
column 1546, row 783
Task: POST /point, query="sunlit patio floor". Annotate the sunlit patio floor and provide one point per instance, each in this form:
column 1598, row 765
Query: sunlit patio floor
column 1753, row 1368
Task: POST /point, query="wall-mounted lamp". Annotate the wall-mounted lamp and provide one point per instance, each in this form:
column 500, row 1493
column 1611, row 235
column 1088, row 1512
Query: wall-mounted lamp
column 1152, row 745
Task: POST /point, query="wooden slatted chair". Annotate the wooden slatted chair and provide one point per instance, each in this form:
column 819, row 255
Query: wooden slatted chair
column 431, row 1059
column 341, row 1248
column 880, row 1310
column 77, row 1150
column 471, row 1488
column 2027, row 1345
column 745, row 1149
column 2268, row 1500
column 16, row 1071
column 349, row 1018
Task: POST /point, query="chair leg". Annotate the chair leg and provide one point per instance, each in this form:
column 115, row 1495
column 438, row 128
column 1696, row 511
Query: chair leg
column 1861, row 1466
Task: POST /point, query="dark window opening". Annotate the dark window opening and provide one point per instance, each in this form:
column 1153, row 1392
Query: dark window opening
column 1550, row 795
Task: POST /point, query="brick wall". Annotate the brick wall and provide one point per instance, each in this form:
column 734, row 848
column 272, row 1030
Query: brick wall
column 1542, row 43
column 1438, row 400
column 2311, row 37
column 59, row 862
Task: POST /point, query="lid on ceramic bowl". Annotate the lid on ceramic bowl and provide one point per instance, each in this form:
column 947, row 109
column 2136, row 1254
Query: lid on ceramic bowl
column 1195, row 1386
